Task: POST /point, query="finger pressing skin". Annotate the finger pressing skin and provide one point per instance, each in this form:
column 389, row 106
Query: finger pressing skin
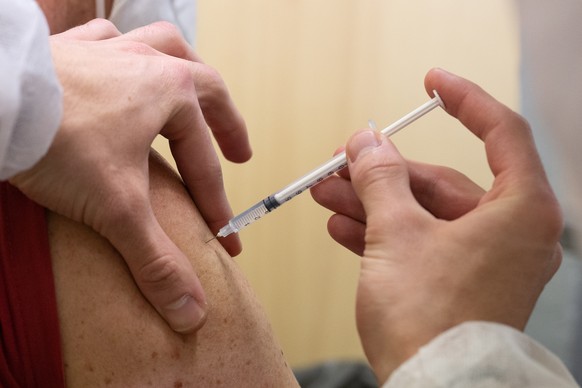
column 97, row 29
column 161, row 271
column 199, row 166
column 203, row 177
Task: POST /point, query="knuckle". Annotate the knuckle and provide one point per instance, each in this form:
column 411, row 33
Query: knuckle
column 188, row 78
column 382, row 170
column 100, row 24
column 169, row 39
column 545, row 217
column 215, row 82
column 210, row 178
column 212, row 78
column 168, row 29
column 125, row 204
column 138, row 48
column 181, row 74
column 159, row 273
column 554, row 219
column 212, row 88
column 519, row 122
column 95, row 29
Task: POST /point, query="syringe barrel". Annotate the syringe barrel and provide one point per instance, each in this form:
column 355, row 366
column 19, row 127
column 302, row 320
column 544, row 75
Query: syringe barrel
column 312, row 178
column 339, row 161
column 246, row 218
column 317, row 175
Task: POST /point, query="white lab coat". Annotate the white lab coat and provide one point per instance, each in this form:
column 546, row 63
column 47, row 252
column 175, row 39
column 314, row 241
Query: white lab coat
column 30, row 94
column 482, row 355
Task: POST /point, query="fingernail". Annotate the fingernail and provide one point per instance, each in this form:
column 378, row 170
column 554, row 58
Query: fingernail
column 185, row 315
column 361, row 142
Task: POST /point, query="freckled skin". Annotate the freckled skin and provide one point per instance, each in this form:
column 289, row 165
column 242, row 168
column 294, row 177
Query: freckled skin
column 106, row 323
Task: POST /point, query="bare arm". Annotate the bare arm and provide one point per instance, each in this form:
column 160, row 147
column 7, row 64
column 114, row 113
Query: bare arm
column 112, row 336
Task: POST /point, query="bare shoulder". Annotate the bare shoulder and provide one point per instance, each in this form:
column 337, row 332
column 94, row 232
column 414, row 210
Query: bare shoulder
column 112, row 337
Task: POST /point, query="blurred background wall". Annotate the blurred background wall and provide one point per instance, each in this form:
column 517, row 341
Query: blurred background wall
column 306, row 74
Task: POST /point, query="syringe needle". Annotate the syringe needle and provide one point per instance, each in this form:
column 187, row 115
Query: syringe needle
column 213, row 238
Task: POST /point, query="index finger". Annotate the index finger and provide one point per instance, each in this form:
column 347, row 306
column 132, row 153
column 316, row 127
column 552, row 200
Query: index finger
column 218, row 108
column 507, row 136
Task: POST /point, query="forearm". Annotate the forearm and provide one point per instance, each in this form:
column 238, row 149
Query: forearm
column 482, row 354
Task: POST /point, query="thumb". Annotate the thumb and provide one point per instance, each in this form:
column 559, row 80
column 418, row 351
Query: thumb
column 379, row 176
column 162, row 272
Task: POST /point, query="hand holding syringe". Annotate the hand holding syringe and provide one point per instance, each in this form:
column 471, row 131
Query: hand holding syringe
column 316, row 176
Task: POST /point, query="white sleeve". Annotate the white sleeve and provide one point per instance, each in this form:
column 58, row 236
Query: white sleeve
column 482, row 355
column 30, row 94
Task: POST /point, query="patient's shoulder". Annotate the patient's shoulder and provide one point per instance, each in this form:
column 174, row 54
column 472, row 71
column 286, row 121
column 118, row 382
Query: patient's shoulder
column 112, row 337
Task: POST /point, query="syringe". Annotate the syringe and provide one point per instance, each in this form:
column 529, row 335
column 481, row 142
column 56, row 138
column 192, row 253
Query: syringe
column 316, row 176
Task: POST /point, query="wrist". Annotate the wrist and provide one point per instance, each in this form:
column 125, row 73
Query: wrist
column 386, row 353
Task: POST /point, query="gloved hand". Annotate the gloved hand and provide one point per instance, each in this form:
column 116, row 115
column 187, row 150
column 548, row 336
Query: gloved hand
column 120, row 92
column 437, row 249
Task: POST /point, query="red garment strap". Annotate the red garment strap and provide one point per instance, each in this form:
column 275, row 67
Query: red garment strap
column 30, row 352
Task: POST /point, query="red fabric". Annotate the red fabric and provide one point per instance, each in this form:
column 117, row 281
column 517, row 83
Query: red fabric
column 30, row 349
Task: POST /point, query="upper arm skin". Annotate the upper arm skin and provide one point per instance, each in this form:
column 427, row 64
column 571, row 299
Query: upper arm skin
column 112, row 337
